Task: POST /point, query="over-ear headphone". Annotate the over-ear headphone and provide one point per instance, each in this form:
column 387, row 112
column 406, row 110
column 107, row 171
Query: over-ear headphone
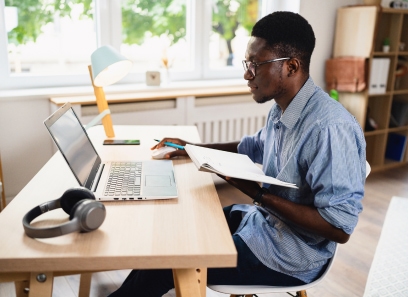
column 85, row 214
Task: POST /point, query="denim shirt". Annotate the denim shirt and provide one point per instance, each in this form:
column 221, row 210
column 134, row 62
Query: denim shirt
column 318, row 145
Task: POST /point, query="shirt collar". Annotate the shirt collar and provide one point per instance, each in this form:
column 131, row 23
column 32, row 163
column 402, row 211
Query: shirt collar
column 293, row 111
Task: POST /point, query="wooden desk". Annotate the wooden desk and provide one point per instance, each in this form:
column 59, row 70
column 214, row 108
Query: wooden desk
column 187, row 234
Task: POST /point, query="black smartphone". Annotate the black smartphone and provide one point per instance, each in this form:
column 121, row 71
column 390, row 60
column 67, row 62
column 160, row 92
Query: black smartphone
column 121, row 142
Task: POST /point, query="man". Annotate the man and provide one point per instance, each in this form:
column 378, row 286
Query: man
column 309, row 139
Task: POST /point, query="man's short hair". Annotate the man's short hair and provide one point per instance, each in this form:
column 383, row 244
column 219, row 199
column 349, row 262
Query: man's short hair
column 288, row 34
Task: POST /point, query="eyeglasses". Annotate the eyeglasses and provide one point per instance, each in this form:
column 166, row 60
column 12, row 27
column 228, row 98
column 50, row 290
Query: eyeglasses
column 251, row 66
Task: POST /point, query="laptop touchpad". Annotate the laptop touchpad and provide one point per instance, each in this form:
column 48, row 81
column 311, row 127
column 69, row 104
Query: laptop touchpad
column 158, row 181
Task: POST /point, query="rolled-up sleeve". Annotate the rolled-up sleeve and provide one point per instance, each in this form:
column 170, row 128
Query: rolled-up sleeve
column 337, row 175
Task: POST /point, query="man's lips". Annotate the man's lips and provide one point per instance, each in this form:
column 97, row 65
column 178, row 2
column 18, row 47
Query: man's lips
column 252, row 87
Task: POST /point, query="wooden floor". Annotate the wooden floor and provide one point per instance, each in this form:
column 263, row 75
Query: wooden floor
column 350, row 269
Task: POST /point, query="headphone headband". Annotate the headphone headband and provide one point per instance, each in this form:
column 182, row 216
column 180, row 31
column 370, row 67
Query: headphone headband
column 40, row 209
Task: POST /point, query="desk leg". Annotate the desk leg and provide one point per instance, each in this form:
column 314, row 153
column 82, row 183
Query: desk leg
column 85, row 285
column 41, row 286
column 190, row 282
column 203, row 280
column 20, row 288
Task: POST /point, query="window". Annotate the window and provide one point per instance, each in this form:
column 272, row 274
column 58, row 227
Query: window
column 232, row 22
column 46, row 42
column 154, row 34
column 43, row 37
column 49, row 42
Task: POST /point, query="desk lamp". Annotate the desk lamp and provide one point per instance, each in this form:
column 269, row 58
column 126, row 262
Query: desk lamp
column 107, row 67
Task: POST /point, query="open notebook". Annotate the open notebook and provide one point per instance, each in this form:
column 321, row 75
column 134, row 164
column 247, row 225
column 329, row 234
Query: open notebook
column 230, row 164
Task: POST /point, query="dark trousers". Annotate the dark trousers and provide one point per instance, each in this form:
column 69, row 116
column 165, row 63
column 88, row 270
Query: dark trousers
column 249, row 271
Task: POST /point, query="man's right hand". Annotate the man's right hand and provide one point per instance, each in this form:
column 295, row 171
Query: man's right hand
column 177, row 152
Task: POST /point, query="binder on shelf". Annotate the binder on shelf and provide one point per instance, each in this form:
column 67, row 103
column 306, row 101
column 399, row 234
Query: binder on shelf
column 383, row 74
column 396, row 147
column 373, row 87
column 379, row 76
column 399, row 113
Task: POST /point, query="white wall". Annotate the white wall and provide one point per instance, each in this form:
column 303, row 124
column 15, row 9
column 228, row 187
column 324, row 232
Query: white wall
column 322, row 16
column 25, row 145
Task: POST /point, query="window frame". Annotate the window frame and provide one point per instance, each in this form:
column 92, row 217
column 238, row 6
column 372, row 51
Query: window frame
column 9, row 81
column 198, row 22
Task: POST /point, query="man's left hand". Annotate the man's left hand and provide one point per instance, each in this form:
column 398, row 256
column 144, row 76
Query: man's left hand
column 247, row 187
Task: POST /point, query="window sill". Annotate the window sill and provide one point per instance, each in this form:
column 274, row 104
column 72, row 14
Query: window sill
column 133, row 92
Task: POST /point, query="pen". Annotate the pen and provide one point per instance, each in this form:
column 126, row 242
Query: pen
column 180, row 147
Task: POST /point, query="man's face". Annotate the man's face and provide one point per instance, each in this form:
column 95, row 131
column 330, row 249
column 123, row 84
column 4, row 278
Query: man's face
column 267, row 84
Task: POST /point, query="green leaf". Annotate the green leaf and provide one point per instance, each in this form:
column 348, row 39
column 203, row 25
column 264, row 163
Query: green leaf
column 228, row 15
column 142, row 19
column 33, row 15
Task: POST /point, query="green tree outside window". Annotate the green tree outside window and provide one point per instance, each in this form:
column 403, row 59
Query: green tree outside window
column 228, row 15
column 141, row 19
column 34, row 14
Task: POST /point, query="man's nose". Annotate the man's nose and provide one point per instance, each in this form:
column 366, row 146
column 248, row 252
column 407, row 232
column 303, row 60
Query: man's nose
column 248, row 75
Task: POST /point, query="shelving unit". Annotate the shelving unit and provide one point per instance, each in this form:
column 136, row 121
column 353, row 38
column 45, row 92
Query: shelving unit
column 361, row 31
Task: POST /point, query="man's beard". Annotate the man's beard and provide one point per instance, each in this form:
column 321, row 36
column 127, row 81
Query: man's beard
column 267, row 98
column 264, row 99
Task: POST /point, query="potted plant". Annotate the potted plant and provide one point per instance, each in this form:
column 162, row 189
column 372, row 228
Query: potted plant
column 386, row 45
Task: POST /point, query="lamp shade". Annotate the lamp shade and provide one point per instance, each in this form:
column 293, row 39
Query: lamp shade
column 108, row 66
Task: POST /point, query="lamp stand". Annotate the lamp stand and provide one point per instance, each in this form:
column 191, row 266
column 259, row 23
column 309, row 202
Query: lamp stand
column 102, row 106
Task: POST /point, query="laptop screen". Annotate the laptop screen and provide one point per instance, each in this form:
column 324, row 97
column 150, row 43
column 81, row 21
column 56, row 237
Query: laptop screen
column 73, row 143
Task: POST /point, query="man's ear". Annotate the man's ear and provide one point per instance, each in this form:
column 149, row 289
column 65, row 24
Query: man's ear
column 293, row 66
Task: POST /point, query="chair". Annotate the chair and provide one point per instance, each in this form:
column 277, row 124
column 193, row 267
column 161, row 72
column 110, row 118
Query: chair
column 249, row 291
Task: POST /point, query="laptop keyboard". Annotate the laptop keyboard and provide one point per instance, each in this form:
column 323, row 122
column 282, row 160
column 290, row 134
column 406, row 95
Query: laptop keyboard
column 124, row 179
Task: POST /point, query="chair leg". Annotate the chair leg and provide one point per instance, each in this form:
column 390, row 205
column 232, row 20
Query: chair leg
column 301, row 294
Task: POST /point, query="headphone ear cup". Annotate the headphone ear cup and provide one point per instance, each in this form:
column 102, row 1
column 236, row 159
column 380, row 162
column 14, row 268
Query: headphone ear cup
column 74, row 208
column 72, row 196
column 90, row 214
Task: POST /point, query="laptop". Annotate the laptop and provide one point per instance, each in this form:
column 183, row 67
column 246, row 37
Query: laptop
column 110, row 180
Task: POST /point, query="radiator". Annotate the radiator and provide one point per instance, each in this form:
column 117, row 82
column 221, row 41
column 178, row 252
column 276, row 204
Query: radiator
column 230, row 129
column 218, row 119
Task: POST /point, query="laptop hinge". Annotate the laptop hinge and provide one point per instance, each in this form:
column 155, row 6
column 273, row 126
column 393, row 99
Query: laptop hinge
column 97, row 179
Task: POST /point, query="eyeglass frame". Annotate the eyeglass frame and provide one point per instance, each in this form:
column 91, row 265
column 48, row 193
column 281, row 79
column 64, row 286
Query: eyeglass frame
column 253, row 73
